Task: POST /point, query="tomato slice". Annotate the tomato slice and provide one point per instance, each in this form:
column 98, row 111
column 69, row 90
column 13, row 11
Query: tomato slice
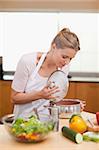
column 97, row 117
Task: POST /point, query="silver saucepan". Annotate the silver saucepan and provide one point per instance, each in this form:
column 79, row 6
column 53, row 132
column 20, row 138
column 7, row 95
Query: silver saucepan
column 68, row 107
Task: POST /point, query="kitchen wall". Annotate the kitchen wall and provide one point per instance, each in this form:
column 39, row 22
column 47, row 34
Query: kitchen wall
column 26, row 32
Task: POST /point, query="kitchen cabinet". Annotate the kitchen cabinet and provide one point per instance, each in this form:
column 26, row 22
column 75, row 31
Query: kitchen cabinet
column 88, row 91
column 0, row 98
column 5, row 103
column 71, row 90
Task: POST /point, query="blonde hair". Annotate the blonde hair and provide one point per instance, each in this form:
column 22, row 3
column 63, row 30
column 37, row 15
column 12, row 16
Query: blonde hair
column 66, row 38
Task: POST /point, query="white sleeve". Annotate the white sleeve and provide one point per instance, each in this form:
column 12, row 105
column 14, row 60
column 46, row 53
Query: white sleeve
column 21, row 75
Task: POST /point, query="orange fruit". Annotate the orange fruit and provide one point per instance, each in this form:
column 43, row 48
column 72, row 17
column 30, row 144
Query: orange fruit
column 77, row 123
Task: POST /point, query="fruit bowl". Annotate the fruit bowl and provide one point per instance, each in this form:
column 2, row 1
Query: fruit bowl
column 31, row 130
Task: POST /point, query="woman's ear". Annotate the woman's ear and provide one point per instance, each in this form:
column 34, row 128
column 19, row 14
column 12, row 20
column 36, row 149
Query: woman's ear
column 53, row 46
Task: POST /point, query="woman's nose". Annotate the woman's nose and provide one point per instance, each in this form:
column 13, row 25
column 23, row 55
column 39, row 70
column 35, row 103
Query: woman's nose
column 67, row 61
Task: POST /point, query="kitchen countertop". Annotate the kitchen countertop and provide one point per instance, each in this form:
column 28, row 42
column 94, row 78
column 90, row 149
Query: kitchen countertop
column 55, row 141
column 74, row 79
column 85, row 79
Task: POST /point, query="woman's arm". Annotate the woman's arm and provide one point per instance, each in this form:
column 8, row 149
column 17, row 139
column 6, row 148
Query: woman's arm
column 23, row 98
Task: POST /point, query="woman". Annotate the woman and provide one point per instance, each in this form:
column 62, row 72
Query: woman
column 29, row 90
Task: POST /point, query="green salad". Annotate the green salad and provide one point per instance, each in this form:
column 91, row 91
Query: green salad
column 32, row 129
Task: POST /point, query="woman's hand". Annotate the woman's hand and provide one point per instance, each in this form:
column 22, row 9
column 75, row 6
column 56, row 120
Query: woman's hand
column 47, row 93
column 82, row 104
column 92, row 125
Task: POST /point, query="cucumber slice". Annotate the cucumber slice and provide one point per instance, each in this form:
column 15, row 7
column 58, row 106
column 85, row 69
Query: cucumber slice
column 72, row 135
column 79, row 138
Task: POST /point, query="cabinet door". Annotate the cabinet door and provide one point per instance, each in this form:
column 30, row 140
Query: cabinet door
column 90, row 93
column 5, row 102
column 71, row 90
column 0, row 97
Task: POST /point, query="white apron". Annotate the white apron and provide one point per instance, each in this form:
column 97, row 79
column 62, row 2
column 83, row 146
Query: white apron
column 35, row 83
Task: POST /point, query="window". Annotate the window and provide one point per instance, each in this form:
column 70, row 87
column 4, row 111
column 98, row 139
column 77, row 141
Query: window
column 24, row 32
column 87, row 58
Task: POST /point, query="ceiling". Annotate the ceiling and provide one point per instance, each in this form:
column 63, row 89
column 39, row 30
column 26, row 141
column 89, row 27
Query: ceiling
column 49, row 5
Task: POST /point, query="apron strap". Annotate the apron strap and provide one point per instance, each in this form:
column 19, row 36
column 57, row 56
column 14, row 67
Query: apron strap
column 39, row 65
column 34, row 72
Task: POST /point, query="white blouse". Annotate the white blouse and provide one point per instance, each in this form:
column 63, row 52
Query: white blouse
column 27, row 79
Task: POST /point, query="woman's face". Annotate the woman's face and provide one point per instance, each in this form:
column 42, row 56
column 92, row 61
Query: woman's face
column 63, row 57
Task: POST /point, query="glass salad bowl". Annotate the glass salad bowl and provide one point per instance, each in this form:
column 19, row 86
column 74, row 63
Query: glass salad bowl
column 30, row 130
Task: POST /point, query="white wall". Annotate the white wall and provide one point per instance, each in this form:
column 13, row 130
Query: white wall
column 22, row 33
column 86, row 27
